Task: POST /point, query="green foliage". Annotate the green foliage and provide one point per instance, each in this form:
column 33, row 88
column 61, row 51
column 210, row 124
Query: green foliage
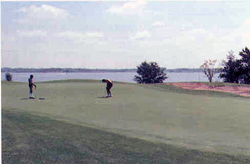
column 8, row 77
column 150, row 73
column 245, row 65
column 237, row 70
column 208, row 68
column 231, row 72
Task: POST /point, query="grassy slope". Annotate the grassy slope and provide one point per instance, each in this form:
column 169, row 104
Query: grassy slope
column 33, row 139
column 216, row 123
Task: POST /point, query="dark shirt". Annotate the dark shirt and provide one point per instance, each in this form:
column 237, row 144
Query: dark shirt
column 109, row 83
column 30, row 82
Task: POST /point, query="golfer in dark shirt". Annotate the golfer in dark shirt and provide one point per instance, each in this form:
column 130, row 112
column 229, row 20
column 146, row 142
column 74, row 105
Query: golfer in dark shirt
column 31, row 84
column 108, row 87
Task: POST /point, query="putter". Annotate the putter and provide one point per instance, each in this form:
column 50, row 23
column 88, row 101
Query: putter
column 104, row 93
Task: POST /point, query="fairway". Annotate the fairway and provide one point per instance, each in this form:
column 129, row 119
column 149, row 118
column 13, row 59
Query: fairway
column 201, row 120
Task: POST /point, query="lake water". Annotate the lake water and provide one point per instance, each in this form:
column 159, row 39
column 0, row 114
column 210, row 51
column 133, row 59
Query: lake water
column 119, row 76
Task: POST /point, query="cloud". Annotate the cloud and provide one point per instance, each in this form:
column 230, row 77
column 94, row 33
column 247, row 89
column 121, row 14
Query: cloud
column 94, row 34
column 74, row 34
column 244, row 29
column 79, row 37
column 141, row 35
column 158, row 24
column 33, row 33
column 238, row 38
column 70, row 34
column 128, row 8
column 194, row 36
column 43, row 12
column 135, row 4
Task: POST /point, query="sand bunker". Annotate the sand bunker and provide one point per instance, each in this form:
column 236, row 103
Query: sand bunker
column 239, row 90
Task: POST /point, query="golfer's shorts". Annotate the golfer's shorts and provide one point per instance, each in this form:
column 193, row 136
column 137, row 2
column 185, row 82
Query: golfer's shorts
column 31, row 89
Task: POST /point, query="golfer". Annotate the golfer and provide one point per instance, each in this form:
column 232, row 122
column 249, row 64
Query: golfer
column 31, row 84
column 108, row 87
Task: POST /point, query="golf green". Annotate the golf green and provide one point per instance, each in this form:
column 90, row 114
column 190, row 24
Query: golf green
column 208, row 121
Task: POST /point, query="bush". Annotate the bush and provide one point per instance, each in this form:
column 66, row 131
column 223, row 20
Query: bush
column 8, row 77
column 150, row 73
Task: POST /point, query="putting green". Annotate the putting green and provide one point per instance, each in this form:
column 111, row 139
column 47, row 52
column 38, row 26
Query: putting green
column 207, row 121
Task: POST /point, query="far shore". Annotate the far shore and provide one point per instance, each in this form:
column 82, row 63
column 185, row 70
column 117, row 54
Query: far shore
column 84, row 70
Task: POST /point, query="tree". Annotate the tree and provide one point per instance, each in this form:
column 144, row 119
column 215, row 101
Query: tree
column 8, row 77
column 245, row 65
column 237, row 70
column 150, row 73
column 208, row 68
column 231, row 71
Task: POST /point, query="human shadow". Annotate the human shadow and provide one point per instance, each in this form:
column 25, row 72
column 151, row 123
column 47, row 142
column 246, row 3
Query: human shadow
column 26, row 99
column 103, row 97
column 32, row 98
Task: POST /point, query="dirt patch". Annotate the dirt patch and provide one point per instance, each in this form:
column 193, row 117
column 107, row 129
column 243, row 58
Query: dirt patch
column 239, row 90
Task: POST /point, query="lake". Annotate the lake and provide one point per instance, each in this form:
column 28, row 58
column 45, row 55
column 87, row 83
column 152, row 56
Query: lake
column 118, row 76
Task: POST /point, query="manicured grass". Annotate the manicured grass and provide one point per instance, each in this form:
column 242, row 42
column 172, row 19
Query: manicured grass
column 202, row 121
column 33, row 139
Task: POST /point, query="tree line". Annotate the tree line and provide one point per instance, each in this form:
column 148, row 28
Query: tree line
column 233, row 70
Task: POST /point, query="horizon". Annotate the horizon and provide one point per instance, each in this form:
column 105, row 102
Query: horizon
column 121, row 34
column 85, row 68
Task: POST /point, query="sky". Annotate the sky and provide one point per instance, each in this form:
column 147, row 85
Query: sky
column 121, row 34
